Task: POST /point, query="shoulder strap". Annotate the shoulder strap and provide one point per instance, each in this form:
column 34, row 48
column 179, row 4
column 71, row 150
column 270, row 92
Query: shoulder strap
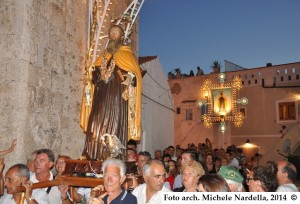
column 49, row 188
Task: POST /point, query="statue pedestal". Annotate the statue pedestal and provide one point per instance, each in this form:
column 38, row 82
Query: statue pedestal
column 82, row 167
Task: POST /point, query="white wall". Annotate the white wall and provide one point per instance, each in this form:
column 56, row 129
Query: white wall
column 157, row 109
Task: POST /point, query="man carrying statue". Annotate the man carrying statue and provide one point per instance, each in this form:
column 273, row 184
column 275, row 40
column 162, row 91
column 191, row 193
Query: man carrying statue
column 116, row 99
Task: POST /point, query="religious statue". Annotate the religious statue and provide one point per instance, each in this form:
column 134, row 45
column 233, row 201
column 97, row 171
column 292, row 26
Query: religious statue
column 116, row 97
column 222, row 103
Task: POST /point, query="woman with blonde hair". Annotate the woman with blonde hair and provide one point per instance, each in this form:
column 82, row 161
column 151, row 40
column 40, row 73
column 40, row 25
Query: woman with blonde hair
column 191, row 172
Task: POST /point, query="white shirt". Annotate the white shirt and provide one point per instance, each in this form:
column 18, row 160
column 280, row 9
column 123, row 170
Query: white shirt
column 140, row 193
column 167, row 185
column 85, row 192
column 39, row 195
column 289, row 187
column 177, row 181
column 54, row 195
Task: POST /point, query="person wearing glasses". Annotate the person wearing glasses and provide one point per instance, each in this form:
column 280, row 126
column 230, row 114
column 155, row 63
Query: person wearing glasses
column 16, row 176
column 262, row 179
column 151, row 192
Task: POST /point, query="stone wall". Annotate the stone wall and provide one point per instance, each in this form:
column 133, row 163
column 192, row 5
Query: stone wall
column 43, row 46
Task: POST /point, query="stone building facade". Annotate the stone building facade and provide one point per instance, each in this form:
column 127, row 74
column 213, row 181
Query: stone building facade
column 268, row 89
column 43, row 49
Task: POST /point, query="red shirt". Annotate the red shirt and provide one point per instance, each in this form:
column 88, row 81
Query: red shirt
column 170, row 179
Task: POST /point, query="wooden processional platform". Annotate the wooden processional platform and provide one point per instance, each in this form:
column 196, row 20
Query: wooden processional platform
column 80, row 173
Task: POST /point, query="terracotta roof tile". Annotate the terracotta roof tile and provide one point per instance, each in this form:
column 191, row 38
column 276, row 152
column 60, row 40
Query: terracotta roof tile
column 145, row 59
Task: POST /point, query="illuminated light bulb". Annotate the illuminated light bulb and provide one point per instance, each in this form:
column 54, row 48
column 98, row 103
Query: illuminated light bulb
column 201, row 103
column 222, row 77
column 223, row 127
column 243, row 101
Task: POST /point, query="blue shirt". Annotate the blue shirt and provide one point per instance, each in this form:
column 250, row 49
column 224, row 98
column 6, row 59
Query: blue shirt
column 124, row 198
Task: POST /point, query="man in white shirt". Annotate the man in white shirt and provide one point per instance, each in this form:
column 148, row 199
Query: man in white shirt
column 286, row 175
column 44, row 161
column 16, row 176
column 151, row 191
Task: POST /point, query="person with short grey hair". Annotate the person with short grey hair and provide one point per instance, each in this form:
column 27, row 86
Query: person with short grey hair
column 114, row 162
column 85, row 193
column 113, row 178
column 16, row 176
column 151, row 191
column 233, row 178
column 146, row 168
column 235, row 186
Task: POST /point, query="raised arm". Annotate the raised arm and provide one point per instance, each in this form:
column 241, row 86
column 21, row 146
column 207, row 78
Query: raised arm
column 12, row 147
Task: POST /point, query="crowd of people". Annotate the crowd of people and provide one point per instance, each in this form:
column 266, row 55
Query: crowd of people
column 140, row 177
column 193, row 169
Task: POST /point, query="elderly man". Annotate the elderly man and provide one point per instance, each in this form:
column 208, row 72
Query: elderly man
column 43, row 163
column 113, row 177
column 151, row 191
column 16, row 176
column 286, row 175
column 233, row 178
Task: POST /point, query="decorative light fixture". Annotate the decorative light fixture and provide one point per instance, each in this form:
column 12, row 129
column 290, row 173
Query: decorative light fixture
column 242, row 101
column 222, row 103
column 201, row 103
column 222, row 77
column 223, row 127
